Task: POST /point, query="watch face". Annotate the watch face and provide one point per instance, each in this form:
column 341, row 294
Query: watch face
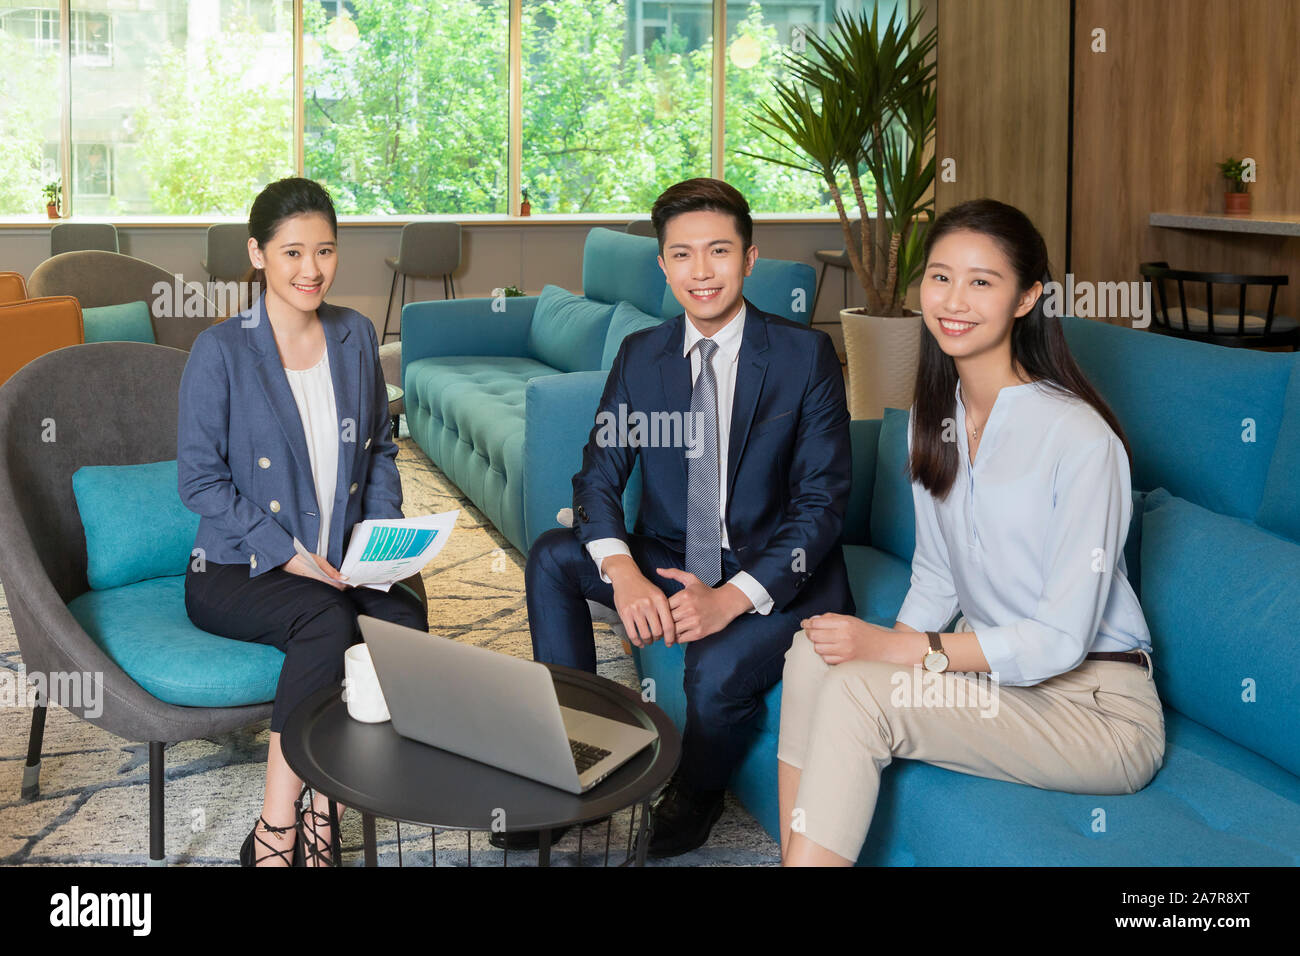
column 935, row 661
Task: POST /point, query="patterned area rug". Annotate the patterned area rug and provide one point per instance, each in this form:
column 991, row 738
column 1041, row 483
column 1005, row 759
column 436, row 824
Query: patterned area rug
column 94, row 803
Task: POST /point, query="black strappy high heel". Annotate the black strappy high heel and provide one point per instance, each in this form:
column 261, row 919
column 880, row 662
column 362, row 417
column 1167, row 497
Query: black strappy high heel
column 248, row 850
column 312, row 818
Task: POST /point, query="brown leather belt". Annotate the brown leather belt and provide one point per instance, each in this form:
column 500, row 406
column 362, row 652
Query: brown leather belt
column 1127, row 657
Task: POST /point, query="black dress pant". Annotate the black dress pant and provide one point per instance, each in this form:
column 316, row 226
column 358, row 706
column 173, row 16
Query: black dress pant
column 726, row 674
column 311, row 622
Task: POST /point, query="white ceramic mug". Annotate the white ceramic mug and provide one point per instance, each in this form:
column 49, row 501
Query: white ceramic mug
column 361, row 690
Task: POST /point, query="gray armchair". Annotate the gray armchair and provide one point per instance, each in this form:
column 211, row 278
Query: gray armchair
column 97, row 279
column 129, row 419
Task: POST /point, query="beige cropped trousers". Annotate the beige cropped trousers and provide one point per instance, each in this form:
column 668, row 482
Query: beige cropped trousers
column 1096, row 729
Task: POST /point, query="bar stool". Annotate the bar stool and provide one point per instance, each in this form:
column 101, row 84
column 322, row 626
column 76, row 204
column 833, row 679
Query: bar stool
column 83, row 236
column 226, row 255
column 839, row 258
column 225, row 259
column 428, row 250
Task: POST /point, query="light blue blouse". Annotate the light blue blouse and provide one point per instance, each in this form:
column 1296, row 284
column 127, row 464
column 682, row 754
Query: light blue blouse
column 1029, row 542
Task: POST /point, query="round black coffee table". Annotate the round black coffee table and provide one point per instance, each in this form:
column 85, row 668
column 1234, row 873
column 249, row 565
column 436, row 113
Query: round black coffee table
column 381, row 774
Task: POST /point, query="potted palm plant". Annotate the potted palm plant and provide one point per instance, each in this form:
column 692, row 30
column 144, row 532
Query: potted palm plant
column 1236, row 201
column 861, row 107
column 53, row 194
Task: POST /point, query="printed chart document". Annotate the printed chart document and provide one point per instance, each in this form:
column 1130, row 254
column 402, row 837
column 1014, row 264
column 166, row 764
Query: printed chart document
column 384, row 551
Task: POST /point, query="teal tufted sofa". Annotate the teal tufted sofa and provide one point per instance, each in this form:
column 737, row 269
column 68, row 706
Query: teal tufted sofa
column 490, row 385
column 1214, row 555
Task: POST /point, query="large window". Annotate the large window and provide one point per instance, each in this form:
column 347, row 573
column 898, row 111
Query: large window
column 758, row 34
column 616, row 106
column 186, row 107
column 407, row 104
column 29, row 104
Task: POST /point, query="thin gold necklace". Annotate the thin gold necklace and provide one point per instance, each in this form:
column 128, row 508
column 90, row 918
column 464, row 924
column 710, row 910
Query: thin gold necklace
column 974, row 431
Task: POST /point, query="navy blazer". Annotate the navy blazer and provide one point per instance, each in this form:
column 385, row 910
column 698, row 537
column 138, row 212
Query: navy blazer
column 789, row 461
column 242, row 451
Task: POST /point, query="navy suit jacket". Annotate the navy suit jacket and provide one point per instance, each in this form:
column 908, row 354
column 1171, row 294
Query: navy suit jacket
column 242, row 451
column 789, row 458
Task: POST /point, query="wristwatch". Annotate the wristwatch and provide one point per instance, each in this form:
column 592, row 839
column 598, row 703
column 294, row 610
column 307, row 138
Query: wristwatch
column 935, row 659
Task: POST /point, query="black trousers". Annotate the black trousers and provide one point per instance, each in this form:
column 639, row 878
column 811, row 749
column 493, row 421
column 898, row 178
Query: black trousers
column 726, row 674
column 311, row 622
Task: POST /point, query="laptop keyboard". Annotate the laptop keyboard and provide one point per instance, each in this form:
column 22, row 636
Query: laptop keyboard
column 586, row 756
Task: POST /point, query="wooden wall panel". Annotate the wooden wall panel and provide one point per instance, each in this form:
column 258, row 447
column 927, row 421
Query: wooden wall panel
column 1183, row 84
column 1004, row 108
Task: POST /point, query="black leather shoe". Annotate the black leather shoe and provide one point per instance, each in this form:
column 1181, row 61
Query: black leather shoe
column 681, row 818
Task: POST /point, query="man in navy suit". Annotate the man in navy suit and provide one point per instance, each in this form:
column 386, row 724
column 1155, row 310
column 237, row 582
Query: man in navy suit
column 737, row 539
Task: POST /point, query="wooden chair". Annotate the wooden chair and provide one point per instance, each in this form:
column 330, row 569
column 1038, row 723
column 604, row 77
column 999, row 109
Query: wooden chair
column 1217, row 320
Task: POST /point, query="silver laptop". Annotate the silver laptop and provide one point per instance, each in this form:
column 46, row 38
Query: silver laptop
column 494, row 708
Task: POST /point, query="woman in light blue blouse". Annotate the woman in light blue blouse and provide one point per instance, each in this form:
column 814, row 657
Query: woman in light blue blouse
column 1020, row 481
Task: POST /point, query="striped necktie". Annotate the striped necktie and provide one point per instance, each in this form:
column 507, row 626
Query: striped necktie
column 703, row 518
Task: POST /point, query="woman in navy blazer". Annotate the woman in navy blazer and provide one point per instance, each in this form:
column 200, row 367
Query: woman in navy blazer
column 258, row 438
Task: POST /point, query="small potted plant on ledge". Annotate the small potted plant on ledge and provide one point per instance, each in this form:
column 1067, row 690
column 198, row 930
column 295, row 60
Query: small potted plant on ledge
column 525, row 207
column 53, row 194
column 1238, row 173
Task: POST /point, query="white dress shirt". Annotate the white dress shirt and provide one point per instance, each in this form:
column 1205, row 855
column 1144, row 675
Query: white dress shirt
column 313, row 390
column 1029, row 542
column 726, row 359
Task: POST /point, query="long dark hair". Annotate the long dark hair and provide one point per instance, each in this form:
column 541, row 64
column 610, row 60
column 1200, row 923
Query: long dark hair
column 1037, row 343
column 279, row 201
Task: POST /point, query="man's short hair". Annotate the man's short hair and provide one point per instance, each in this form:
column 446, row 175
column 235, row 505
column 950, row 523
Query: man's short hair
column 703, row 193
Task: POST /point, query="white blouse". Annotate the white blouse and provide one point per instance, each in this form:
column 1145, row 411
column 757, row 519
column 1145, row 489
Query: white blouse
column 313, row 390
column 1029, row 542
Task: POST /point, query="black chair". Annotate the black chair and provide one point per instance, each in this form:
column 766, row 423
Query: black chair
column 1219, row 322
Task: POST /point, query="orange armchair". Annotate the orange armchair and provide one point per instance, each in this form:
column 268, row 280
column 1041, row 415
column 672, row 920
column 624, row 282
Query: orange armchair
column 12, row 287
column 33, row 327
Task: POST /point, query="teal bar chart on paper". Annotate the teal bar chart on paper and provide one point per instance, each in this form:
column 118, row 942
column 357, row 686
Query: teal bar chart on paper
column 382, row 552
column 392, row 544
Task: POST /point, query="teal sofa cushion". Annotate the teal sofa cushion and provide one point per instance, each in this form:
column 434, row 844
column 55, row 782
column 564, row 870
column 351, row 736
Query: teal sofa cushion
column 627, row 319
column 467, row 413
column 1280, row 509
column 620, row 267
column 568, row 331
column 145, row 629
column 129, row 322
column 893, row 517
column 879, row 582
column 1221, row 601
column 136, row 527
column 1183, row 406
